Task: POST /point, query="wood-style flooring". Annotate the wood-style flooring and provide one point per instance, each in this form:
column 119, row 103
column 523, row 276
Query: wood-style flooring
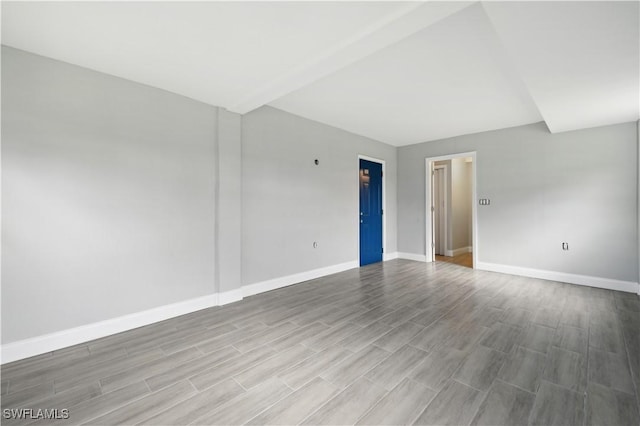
column 399, row 342
column 465, row 259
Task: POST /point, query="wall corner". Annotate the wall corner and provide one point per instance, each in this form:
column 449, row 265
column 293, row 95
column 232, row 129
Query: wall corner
column 229, row 206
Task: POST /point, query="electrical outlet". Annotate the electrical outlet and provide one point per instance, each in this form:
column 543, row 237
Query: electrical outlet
column 484, row 201
column 315, row 244
column 565, row 246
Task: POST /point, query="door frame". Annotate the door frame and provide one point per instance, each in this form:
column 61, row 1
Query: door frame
column 446, row 206
column 384, row 203
column 429, row 163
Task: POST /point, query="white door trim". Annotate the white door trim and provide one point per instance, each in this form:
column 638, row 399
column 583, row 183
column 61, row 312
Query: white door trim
column 429, row 252
column 384, row 202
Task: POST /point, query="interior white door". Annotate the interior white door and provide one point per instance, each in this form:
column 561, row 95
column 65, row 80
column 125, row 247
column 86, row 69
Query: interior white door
column 439, row 224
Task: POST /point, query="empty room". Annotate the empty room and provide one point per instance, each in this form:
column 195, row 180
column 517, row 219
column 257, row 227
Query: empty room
column 320, row 213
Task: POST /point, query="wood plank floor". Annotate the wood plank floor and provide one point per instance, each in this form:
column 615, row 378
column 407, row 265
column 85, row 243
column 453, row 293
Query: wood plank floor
column 465, row 259
column 398, row 342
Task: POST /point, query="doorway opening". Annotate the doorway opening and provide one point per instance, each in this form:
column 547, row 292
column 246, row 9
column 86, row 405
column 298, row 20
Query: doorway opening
column 451, row 221
column 440, row 209
column 371, row 209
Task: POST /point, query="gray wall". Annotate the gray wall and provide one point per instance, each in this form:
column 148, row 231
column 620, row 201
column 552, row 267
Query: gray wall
column 118, row 197
column 108, row 196
column 288, row 202
column 229, row 213
column 579, row 187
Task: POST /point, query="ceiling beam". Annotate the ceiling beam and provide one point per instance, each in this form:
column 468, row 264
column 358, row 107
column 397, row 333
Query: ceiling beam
column 391, row 29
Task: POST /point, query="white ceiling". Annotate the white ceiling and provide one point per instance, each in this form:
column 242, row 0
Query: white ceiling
column 580, row 61
column 398, row 72
column 449, row 79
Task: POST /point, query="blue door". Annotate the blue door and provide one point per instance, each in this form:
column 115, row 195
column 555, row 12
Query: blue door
column 370, row 212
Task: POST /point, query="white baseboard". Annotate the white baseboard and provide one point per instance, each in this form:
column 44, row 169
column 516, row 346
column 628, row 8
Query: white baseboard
column 458, row 251
column 412, row 256
column 607, row 283
column 230, row 296
column 389, row 256
column 62, row 339
column 73, row 336
column 273, row 284
column 58, row 340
